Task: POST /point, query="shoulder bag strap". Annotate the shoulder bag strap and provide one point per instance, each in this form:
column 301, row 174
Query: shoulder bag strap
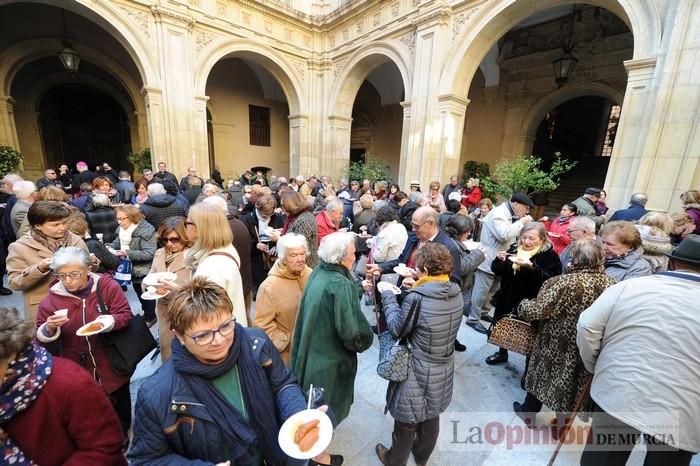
column 227, row 255
column 102, row 307
column 412, row 313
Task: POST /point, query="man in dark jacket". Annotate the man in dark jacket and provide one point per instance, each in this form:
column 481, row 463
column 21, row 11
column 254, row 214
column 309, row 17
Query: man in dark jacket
column 185, row 183
column 160, row 205
column 108, row 172
column 49, row 179
column 162, row 174
column 406, row 212
column 84, row 175
column 101, row 218
column 635, row 211
column 222, row 396
column 452, row 187
column 125, row 187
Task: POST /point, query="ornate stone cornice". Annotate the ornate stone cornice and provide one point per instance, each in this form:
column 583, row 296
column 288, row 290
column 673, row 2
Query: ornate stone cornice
column 438, row 16
column 162, row 14
column 640, row 64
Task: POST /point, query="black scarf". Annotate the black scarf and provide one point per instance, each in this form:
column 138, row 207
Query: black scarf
column 242, row 437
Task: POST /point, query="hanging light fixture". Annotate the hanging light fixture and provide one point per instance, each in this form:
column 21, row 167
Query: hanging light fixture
column 69, row 57
column 564, row 65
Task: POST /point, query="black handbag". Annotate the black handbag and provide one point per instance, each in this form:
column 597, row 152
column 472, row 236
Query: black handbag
column 128, row 346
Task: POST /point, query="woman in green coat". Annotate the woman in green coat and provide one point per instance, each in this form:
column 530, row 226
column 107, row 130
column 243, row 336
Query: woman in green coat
column 330, row 328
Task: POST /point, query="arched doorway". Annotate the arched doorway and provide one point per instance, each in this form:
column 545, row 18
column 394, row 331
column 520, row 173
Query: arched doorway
column 35, row 81
column 506, row 108
column 249, row 118
column 80, row 122
column 377, row 118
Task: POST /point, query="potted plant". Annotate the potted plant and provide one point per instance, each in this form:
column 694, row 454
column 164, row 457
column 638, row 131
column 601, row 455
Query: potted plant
column 9, row 160
column 373, row 169
column 526, row 174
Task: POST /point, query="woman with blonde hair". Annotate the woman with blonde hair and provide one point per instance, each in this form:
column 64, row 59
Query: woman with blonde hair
column 522, row 270
column 172, row 236
column 213, row 255
column 433, row 198
column 136, row 239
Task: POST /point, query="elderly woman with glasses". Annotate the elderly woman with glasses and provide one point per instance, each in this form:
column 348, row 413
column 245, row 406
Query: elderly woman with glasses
column 279, row 295
column 44, row 421
column 172, row 235
column 222, row 396
column 75, row 293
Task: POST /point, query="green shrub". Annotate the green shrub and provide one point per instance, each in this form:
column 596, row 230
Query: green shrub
column 9, row 160
column 373, row 169
column 141, row 160
column 525, row 174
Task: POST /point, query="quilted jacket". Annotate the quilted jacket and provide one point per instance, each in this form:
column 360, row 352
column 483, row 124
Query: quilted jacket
column 427, row 391
column 159, row 207
column 103, row 220
column 141, row 250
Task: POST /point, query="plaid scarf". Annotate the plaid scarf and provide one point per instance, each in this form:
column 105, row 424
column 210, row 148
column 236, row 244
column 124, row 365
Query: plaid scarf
column 23, row 382
column 52, row 244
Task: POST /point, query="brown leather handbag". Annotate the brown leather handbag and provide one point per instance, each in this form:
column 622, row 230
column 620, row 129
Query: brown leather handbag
column 513, row 334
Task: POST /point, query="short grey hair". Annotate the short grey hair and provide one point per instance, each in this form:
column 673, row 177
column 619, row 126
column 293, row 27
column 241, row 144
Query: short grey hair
column 155, row 188
column 580, row 222
column 70, row 255
column 333, row 247
column 415, row 197
column 290, row 241
column 11, row 178
column 639, row 199
column 100, row 200
column 23, row 189
column 210, row 188
column 334, row 204
column 587, row 253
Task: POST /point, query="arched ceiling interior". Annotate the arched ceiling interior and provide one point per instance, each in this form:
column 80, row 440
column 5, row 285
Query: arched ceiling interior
column 489, row 65
column 26, row 21
column 266, row 84
column 386, row 79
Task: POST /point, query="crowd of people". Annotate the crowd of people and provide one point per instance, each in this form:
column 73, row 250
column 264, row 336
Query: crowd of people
column 264, row 300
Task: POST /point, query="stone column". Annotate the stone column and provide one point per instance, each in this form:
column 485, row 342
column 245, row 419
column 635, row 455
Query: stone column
column 452, row 111
column 32, row 147
column 199, row 156
column 158, row 134
column 404, row 180
column 335, row 163
column 8, row 130
column 300, row 159
column 514, row 143
column 139, row 138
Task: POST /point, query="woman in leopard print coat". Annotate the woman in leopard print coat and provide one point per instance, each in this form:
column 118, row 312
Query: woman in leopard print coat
column 556, row 374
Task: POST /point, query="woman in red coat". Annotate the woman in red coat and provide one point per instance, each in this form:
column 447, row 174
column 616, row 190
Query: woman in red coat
column 557, row 229
column 51, row 411
column 76, row 293
column 471, row 194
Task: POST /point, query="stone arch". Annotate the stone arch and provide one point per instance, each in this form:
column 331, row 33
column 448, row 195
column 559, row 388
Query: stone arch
column 119, row 25
column 489, row 24
column 359, row 66
column 16, row 57
column 537, row 111
column 268, row 58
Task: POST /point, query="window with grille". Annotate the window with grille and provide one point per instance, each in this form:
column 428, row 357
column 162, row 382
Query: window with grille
column 259, row 118
column 611, row 131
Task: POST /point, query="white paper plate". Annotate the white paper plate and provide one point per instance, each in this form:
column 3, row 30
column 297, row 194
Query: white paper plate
column 403, row 271
column 150, row 294
column 471, row 244
column 82, row 333
column 289, row 428
column 384, row 286
column 152, row 279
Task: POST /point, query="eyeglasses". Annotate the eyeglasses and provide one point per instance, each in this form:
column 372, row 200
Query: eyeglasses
column 121, row 219
column 569, row 230
column 207, row 337
column 418, row 225
column 174, row 240
column 72, row 275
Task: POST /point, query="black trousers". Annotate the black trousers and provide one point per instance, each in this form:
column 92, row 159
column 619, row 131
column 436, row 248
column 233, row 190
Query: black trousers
column 121, row 401
column 419, row 439
column 148, row 305
column 658, row 454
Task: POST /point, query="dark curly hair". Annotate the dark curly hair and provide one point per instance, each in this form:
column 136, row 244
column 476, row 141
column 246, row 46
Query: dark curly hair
column 457, row 225
column 435, row 259
column 386, row 214
column 15, row 332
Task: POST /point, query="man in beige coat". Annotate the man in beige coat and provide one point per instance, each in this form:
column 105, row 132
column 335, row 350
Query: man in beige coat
column 29, row 258
column 280, row 293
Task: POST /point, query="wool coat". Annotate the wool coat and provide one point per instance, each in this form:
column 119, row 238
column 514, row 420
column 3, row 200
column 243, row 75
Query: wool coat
column 277, row 305
column 89, row 352
column 177, row 267
column 630, row 266
column 23, row 272
column 141, row 249
column 427, row 391
column 556, row 374
column 526, row 282
column 70, row 423
column 329, row 332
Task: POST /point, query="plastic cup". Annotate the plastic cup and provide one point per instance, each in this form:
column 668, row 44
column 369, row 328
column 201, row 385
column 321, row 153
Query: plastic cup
column 100, row 237
column 61, row 313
